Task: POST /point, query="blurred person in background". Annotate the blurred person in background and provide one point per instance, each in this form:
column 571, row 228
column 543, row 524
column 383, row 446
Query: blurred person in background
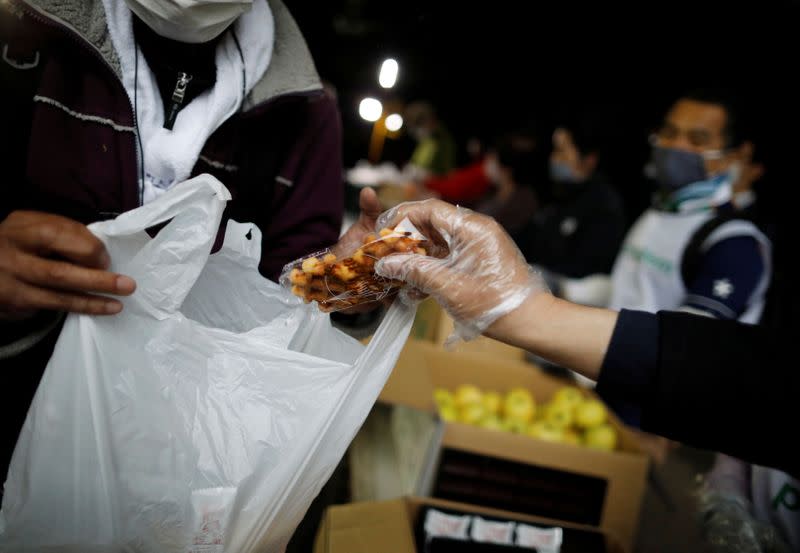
column 435, row 152
column 579, row 232
column 501, row 176
column 463, row 186
column 686, row 252
column 692, row 251
column 514, row 167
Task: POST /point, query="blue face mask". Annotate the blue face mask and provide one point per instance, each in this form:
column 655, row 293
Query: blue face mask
column 683, row 178
column 561, row 172
column 675, row 169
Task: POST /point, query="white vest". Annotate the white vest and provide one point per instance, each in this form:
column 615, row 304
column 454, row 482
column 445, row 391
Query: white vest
column 647, row 272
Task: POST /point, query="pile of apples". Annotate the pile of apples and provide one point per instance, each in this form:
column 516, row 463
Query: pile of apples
column 569, row 417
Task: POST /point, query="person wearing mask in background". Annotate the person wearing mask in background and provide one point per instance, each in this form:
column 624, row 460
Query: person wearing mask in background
column 692, row 376
column 514, row 168
column 694, row 250
column 722, row 272
column 435, row 152
column 579, row 233
column 489, row 182
column 107, row 104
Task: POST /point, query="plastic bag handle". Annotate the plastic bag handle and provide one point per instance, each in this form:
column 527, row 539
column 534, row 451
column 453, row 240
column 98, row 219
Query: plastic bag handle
column 202, row 189
column 166, row 266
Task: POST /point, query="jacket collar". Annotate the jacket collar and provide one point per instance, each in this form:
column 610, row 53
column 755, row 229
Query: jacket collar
column 291, row 70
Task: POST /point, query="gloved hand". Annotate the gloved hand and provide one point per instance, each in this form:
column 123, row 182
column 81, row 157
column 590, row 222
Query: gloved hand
column 473, row 267
column 728, row 525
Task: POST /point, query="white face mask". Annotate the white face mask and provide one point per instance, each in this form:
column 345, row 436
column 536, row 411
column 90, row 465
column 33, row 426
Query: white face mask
column 192, row 21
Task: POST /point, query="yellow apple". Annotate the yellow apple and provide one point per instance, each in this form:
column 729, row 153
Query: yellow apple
column 472, row 413
column 559, row 414
column 546, row 431
column 491, row 422
column 443, row 397
column 467, row 394
column 569, row 396
column 492, row 402
column 514, row 426
column 448, row 413
column 601, row 437
column 519, row 405
column 590, row 413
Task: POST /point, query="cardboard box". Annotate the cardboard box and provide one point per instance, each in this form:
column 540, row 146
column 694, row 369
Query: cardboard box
column 389, row 526
column 516, row 472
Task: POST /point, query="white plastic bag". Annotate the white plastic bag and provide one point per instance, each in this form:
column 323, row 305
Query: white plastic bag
column 206, row 416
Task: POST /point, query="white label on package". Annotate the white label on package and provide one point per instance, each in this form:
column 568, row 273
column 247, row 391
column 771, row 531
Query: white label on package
column 545, row 540
column 211, row 510
column 439, row 524
column 407, row 226
column 489, row 531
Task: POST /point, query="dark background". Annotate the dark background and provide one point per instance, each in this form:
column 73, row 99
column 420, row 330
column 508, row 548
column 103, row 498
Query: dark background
column 491, row 65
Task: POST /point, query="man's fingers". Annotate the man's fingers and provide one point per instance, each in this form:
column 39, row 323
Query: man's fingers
column 53, row 234
column 369, row 206
column 353, row 237
column 32, row 297
column 67, row 276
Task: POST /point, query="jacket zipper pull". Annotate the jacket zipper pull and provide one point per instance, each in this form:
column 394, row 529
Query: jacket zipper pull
column 177, row 100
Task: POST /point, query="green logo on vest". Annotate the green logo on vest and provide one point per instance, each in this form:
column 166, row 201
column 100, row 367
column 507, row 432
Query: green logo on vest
column 789, row 497
column 640, row 254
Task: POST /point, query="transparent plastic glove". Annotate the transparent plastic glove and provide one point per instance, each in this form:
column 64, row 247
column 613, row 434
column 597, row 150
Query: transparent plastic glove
column 728, row 525
column 473, row 267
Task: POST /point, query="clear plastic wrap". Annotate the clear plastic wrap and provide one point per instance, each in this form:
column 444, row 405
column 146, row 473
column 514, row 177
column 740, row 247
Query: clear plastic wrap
column 342, row 282
column 474, row 270
column 727, row 524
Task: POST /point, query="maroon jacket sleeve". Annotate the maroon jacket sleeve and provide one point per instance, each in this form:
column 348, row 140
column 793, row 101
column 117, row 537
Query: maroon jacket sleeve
column 307, row 213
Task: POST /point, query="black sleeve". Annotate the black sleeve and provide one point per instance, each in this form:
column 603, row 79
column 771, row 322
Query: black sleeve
column 718, row 385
